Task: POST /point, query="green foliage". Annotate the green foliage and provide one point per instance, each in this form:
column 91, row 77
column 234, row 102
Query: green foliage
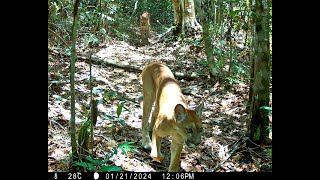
column 112, row 96
column 110, row 169
column 269, row 128
column 232, row 80
column 100, row 22
column 117, row 119
column 268, row 152
column 160, row 11
column 95, row 165
column 91, row 39
column 119, row 109
column 68, row 51
column 266, row 108
column 257, row 134
column 97, row 91
column 127, row 147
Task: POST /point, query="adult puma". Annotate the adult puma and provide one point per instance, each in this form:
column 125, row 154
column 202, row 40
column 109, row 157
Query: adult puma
column 171, row 115
column 145, row 27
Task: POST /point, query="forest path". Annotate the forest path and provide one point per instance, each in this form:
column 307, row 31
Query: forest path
column 223, row 117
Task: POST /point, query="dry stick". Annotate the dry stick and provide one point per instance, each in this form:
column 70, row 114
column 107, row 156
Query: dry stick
column 258, row 144
column 57, row 123
column 255, row 153
column 102, row 137
column 121, row 65
column 54, row 33
column 236, row 146
column 161, row 37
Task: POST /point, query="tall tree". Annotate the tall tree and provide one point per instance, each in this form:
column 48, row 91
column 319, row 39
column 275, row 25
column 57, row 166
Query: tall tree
column 204, row 18
column 259, row 121
column 72, row 69
column 184, row 17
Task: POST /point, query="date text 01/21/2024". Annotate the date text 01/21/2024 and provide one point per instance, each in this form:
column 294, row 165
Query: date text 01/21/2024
column 145, row 176
column 128, row 175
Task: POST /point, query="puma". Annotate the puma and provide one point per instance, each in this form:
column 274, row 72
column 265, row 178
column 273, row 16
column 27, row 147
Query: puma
column 171, row 115
column 145, row 26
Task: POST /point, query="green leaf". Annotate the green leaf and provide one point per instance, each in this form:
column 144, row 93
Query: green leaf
column 99, row 100
column 96, row 91
column 266, row 108
column 110, row 168
column 268, row 152
column 235, row 12
column 68, row 51
column 86, row 165
column 269, row 128
column 109, row 94
column 127, row 146
column 115, row 151
column 119, row 109
column 108, row 117
column 122, row 122
column 93, row 161
column 124, row 151
column 59, row 98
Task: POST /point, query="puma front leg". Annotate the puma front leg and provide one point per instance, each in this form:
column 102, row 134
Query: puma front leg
column 147, row 105
column 176, row 149
column 156, row 147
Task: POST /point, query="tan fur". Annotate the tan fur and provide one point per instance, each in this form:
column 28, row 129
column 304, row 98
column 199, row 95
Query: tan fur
column 171, row 115
column 145, row 26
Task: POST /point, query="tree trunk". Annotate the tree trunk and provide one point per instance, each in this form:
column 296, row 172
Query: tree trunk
column 261, row 93
column 184, row 17
column 74, row 156
column 252, row 26
column 204, row 18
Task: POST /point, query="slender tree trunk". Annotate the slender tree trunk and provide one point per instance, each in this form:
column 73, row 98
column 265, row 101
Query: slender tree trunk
column 204, row 17
column 177, row 14
column 251, row 23
column 261, row 93
column 72, row 69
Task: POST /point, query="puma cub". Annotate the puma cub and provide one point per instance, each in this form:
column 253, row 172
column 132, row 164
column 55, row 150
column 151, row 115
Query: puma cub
column 145, row 27
column 171, row 115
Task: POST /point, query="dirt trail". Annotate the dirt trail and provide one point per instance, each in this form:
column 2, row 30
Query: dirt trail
column 223, row 117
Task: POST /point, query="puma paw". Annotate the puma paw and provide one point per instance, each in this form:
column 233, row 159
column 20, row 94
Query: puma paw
column 158, row 158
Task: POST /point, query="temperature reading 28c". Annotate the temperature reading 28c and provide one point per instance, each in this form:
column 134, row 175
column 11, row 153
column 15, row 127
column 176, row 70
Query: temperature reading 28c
column 76, row 175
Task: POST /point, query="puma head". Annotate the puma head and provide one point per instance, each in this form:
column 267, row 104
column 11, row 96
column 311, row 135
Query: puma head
column 189, row 124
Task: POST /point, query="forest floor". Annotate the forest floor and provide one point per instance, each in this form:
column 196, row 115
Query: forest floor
column 223, row 147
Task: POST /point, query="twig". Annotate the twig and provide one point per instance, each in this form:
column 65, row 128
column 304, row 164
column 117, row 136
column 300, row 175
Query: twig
column 236, row 146
column 57, row 123
column 163, row 35
column 255, row 153
column 54, row 33
column 102, row 137
column 257, row 144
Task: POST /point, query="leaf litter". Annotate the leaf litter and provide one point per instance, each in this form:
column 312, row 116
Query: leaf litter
column 224, row 116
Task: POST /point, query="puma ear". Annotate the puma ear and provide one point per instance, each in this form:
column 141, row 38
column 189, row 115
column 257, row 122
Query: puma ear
column 180, row 112
column 199, row 110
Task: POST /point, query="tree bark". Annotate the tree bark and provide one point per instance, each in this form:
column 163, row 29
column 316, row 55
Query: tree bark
column 74, row 156
column 207, row 39
column 184, row 17
column 261, row 94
